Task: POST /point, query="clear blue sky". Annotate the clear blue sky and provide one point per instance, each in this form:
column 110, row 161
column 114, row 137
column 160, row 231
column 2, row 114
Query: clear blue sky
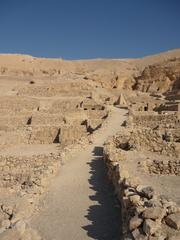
column 75, row 29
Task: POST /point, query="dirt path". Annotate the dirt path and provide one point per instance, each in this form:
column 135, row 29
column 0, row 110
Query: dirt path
column 80, row 204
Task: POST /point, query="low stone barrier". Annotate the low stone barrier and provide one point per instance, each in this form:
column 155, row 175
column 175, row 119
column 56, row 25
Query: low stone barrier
column 166, row 167
column 144, row 214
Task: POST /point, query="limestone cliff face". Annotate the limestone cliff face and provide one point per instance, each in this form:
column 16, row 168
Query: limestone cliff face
column 162, row 77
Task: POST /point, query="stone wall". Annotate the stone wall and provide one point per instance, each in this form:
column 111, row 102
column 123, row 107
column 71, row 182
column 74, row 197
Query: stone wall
column 144, row 214
column 168, row 107
column 25, row 172
column 146, row 139
column 64, row 134
column 166, row 167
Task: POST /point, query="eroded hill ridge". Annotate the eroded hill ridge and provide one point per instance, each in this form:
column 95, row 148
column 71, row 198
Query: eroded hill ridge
column 53, row 108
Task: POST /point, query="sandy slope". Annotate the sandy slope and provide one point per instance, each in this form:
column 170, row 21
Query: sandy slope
column 79, row 204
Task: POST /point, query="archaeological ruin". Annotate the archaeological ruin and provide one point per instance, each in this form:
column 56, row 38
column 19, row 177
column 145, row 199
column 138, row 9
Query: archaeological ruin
column 52, row 109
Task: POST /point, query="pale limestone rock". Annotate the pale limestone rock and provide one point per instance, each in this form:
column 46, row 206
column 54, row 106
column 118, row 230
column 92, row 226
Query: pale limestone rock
column 134, row 223
column 138, row 236
column 150, row 227
column 135, row 199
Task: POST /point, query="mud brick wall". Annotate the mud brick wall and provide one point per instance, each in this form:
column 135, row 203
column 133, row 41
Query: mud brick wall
column 17, row 104
column 14, row 137
column 70, row 134
column 97, row 114
column 44, row 134
column 12, row 120
column 46, row 119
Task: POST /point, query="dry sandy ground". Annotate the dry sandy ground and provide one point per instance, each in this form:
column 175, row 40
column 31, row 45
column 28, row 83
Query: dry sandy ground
column 80, row 203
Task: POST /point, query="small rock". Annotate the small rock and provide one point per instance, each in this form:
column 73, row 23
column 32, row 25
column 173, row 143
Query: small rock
column 128, row 192
column 161, row 234
column 154, row 202
column 134, row 223
column 145, row 191
column 138, row 236
column 154, row 213
column 126, row 202
column 150, row 227
column 173, row 221
column 172, row 209
column 166, row 202
column 135, row 200
column 139, row 209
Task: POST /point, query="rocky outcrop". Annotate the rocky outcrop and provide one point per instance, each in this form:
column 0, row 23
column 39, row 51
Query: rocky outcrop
column 162, row 77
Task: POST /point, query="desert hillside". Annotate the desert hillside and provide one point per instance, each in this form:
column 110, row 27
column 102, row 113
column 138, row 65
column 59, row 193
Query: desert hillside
column 162, row 69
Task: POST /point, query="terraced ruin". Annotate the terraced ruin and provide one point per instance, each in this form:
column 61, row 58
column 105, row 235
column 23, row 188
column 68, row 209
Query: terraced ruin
column 65, row 126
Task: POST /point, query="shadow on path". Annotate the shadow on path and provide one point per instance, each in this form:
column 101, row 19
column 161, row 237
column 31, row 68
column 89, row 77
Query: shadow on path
column 105, row 212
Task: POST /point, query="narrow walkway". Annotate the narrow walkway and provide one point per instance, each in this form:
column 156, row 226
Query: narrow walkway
column 80, row 204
